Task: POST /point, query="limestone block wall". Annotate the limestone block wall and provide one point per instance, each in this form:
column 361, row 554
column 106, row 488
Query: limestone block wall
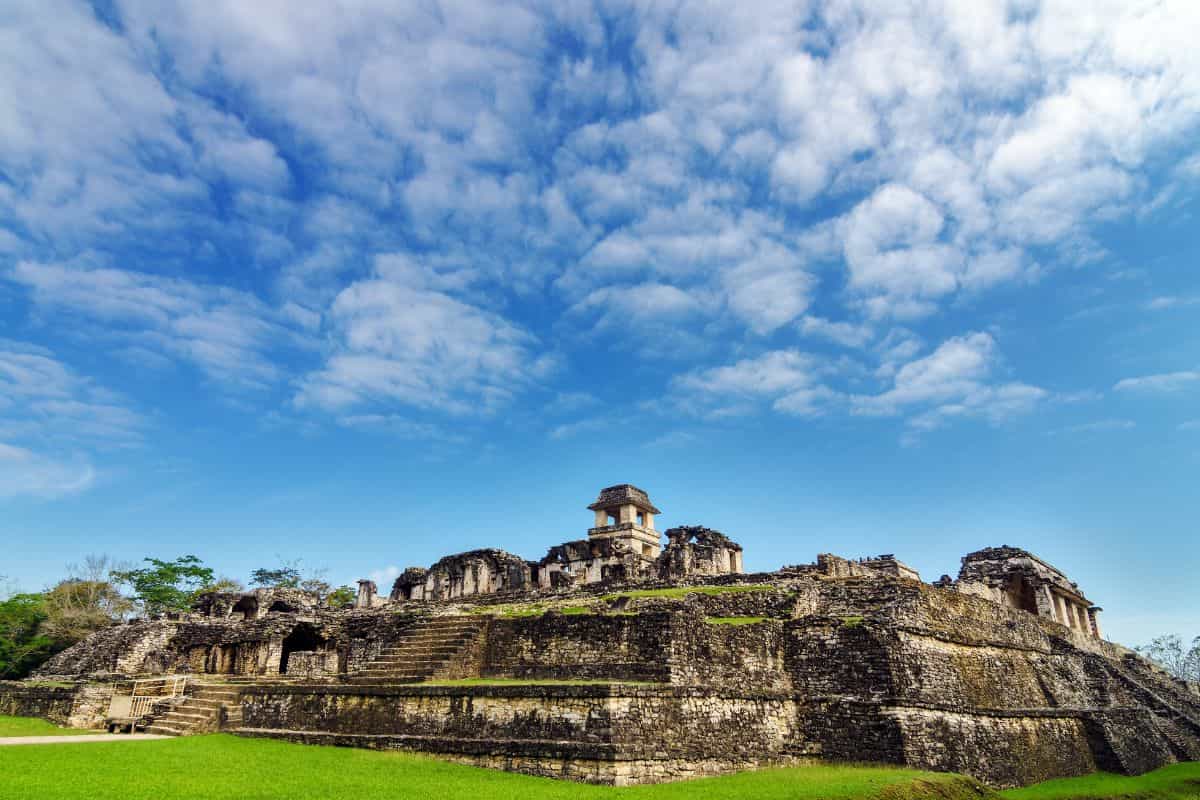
column 1004, row 750
column 75, row 706
column 617, row 646
column 54, row 703
column 608, row 734
column 729, row 657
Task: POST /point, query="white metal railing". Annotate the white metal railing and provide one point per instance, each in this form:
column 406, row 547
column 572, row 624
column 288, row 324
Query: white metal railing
column 143, row 694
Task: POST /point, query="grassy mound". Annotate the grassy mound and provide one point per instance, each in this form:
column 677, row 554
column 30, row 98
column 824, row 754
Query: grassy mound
column 1176, row 782
column 222, row 766
column 33, row 726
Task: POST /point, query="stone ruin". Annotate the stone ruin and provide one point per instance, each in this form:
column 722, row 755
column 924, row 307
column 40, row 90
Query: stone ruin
column 647, row 662
column 622, row 546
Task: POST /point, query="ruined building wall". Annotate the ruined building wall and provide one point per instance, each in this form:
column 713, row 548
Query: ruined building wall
column 603, row 734
column 557, row 646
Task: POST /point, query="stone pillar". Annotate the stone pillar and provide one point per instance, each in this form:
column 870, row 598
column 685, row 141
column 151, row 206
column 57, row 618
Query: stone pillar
column 366, row 594
column 1042, row 600
column 1060, row 609
column 1094, row 619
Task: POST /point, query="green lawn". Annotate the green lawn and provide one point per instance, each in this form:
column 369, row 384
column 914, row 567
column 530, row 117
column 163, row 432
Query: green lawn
column 1176, row 782
column 221, row 766
column 33, row 726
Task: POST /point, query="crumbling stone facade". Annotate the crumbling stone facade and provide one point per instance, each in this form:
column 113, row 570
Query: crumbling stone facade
column 703, row 668
column 1019, row 579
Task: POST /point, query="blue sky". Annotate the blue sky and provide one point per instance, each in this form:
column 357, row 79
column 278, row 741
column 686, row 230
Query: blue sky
column 367, row 283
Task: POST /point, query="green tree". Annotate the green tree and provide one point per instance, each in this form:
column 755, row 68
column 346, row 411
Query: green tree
column 286, row 576
column 341, row 597
column 166, row 585
column 1171, row 655
column 289, row 575
column 22, row 645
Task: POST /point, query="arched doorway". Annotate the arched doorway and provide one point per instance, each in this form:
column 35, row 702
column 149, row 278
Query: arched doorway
column 247, row 607
column 303, row 638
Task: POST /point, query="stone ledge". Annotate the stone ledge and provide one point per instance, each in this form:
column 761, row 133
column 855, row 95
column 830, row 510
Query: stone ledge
column 585, row 691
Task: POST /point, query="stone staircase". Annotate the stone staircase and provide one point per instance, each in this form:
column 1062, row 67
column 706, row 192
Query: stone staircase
column 436, row 648
column 205, row 709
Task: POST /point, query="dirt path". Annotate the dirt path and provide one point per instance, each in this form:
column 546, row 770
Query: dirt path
column 91, row 737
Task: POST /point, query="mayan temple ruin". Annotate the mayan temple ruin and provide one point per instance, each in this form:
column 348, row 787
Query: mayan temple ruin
column 630, row 656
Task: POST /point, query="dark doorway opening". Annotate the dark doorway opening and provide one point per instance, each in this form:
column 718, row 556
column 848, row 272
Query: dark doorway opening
column 247, row 607
column 281, row 607
column 303, row 638
column 1022, row 595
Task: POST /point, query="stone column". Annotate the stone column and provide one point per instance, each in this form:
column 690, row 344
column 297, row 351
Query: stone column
column 1094, row 619
column 366, row 594
column 1045, row 603
column 1064, row 611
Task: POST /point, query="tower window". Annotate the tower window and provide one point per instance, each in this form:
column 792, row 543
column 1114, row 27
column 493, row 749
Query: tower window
column 641, row 518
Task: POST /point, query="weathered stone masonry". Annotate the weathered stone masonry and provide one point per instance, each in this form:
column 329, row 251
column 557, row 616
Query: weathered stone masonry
column 1000, row 673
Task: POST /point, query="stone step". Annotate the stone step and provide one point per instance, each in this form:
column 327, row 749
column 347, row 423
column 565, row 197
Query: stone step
column 429, row 643
column 432, row 642
column 188, row 714
column 204, row 702
column 420, row 655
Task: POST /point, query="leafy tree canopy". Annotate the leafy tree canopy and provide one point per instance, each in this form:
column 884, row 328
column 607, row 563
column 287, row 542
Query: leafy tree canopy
column 341, row 597
column 286, row 576
column 22, row 645
column 289, row 575
column 167, row 585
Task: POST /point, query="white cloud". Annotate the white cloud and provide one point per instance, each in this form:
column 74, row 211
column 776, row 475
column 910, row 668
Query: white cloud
column 787, row 380
column 229, row 334
column 53, row 422
column 23, row 472
column 1164, row 302
column 697, row 193
column 401, row 341
column 952, row 382
column 384, row 578
column 1100, row 425
column 844, row 333
column 1163, row 382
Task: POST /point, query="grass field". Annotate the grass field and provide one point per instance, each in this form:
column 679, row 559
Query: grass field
column 1176, row 782
column 222, row 766
column 31, row 726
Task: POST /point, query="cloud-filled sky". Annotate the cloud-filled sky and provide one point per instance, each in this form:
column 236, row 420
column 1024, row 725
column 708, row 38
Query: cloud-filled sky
column 366, row 283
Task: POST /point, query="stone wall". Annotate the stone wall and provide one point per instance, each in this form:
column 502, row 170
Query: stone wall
column 122, row 649
column 75, row 705
column 604, row 734
column 18, row 699
column 616, row 646
column 730, row 657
